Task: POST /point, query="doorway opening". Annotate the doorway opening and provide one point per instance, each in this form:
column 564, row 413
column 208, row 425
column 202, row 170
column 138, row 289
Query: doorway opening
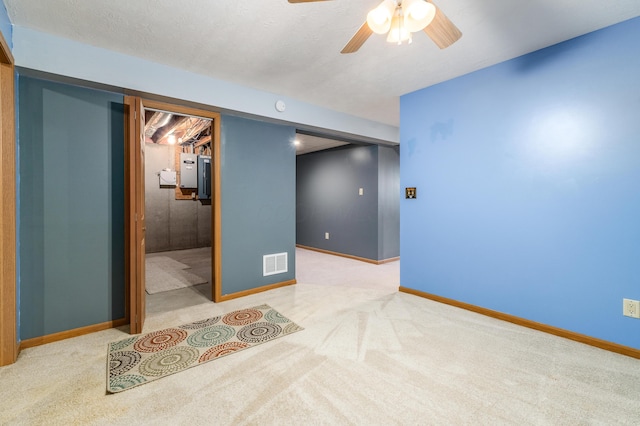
column 173, row 208
column 178, row 210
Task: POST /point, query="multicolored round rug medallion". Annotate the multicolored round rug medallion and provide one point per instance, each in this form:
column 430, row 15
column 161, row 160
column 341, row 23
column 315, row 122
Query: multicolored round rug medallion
column 137, row 360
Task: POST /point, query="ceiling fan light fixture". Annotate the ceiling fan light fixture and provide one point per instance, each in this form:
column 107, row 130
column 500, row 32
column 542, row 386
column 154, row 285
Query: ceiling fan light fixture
column 379, row 19
column 417, row 14
column 398, row 31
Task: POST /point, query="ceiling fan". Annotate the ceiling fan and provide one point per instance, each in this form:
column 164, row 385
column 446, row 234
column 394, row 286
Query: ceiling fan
column 400, row 18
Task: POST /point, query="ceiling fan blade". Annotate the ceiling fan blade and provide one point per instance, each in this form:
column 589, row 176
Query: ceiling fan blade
column 358, row 39
column 441, row 30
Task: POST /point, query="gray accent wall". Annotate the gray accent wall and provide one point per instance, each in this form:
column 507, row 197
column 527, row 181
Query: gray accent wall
column 388, row 202
column 328, row 201
column 171, row 224
column 258, row 178
column 71, row 207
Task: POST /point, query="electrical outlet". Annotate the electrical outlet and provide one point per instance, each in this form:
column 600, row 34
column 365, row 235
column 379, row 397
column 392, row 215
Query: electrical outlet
column 326, row 235
column 631, row 308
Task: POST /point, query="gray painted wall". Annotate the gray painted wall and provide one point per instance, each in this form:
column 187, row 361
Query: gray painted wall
column 71, row 207
column 388, row 202
column 328, row 184
column 258, row 178
column 171, row 224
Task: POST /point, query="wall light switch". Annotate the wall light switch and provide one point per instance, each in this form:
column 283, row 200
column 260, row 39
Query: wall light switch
column 361, row 191
column 326, row 235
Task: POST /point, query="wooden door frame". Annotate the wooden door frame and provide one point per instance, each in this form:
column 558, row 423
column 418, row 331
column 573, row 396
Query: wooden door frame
column 9, row 347
column 216, row 223
column 134, row 185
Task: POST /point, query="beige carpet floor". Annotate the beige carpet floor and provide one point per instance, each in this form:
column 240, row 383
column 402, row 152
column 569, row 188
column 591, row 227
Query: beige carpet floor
column 367, row 356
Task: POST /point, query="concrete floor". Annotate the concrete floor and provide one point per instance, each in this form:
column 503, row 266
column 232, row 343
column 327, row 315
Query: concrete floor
column 199, row 261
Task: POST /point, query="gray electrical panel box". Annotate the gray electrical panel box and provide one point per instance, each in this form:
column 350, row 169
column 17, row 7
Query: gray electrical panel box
column 188, row 170
column 204, row 177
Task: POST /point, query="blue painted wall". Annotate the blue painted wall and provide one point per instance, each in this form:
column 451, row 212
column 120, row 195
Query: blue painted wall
column 71, row 211
column 5, row 25
column 258, row 178
column 527, row 175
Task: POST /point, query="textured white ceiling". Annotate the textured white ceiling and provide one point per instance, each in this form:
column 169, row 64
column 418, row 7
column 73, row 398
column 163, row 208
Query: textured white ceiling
column 306, row 144
column 293, row 49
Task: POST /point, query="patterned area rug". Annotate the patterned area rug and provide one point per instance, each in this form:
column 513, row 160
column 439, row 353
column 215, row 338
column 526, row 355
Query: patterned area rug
column 141, row 359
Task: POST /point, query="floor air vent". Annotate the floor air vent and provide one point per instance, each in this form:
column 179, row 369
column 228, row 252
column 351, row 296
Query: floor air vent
column 274, row 264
